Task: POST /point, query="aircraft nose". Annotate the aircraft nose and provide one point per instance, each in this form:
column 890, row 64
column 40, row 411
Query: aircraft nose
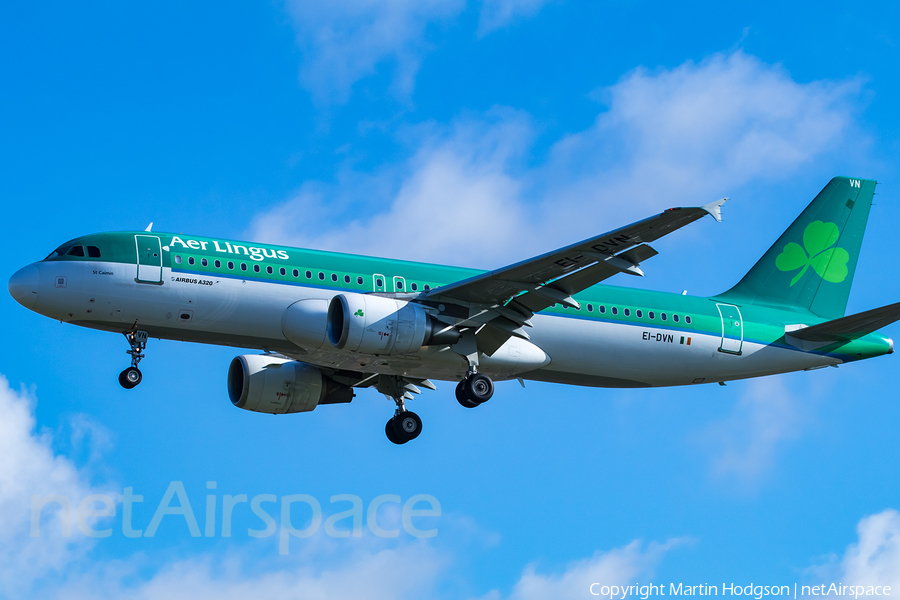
column 23, row 286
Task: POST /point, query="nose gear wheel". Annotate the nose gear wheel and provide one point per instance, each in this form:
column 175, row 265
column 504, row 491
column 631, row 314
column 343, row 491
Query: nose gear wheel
column 132, row 376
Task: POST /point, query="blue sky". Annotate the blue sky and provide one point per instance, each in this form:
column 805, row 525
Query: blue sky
column 471, row 133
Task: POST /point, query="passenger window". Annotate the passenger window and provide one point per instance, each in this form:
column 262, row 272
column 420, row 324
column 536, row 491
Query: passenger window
column 590, row 308
column 639, row 313
column 204, row 262
column 321, row 276
column 283, row 271
column 334, row 277
column 93, row 251
column 359, row 281
column 295, row 273
column 427, row 287
column 415, row 287
column 218, row 264
column 177, row 259
column 191, row 260
column 662, row 316
column 399, row 285
column 269, row 270
column 602, row 309
column 243, row 266
column 614, row 310
column 651, row 314
column 230, row 265
column 76, row 251
column 627, row 312
column 687, row 320
column 346, row 279
column 256, row 268
column 379, row 282
column 675, row 318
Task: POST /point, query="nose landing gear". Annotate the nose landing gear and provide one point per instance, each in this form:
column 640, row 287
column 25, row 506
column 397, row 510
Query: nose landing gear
column 132, row 376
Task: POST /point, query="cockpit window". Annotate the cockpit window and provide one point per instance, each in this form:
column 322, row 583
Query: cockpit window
column 76, row 251
column 61, row 251
column 93, row 251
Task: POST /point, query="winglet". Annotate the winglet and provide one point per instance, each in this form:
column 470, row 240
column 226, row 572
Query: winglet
column 150, row 226
column 715, row 208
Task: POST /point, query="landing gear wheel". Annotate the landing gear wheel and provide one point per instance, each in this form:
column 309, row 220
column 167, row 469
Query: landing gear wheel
column 461, row 395
column 391, row 431
column 408, row 425
column 478, row 388
column 130, row 377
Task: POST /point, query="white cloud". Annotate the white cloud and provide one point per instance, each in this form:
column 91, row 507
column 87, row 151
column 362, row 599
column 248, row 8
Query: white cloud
column 413, row 571
column 496, row 14
column 684, row 136
column 687, row 134
column 58, row 567
column 29, row 466
column 456, row 192
column 744, row 444
column 343, row 41
column 407, row 572
column 620, row 566
column 874, row 559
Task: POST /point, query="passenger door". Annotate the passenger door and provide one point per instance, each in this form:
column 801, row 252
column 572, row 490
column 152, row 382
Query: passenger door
column 732, row 329
column 149, row 259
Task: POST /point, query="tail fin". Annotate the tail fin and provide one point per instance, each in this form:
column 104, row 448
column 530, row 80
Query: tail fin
column 811, row 266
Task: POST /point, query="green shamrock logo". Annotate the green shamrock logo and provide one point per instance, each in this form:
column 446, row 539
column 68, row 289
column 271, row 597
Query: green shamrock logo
column 818, row 239
column 358, row 313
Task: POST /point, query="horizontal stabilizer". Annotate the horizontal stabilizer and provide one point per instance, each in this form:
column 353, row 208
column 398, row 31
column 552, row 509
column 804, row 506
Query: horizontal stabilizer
column 850, row 327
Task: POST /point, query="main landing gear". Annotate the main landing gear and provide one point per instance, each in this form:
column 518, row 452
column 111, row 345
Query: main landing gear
column 132, row 376
column 405, row 425
column 475, row 389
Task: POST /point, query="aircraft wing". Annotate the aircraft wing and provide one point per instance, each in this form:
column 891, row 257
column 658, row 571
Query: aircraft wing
column 514, row 293
column 610, row 253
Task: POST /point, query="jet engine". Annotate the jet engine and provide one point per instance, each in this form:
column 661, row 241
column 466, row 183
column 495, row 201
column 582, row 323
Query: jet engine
column 269, row 384
column 377, row 325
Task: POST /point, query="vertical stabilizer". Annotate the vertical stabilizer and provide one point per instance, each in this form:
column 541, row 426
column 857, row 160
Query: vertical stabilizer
column 811, row 266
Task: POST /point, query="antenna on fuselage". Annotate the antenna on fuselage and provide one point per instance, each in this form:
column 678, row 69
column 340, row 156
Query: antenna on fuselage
column 150, row 226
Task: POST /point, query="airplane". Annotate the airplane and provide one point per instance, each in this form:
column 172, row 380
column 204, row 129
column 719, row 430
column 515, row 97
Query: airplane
column 329, row 323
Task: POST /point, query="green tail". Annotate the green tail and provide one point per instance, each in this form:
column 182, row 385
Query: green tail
column 811, row 266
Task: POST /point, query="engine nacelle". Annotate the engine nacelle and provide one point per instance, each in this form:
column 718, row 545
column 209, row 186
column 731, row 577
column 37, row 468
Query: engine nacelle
column 304, row 323
column 274, row 385
column 378, row 325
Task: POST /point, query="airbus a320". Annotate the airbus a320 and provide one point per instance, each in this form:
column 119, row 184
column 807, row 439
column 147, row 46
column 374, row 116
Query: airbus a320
column 329, row 324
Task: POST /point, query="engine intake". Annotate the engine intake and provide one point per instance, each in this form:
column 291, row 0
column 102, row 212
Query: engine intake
column 274, row 385
column 379, row 325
